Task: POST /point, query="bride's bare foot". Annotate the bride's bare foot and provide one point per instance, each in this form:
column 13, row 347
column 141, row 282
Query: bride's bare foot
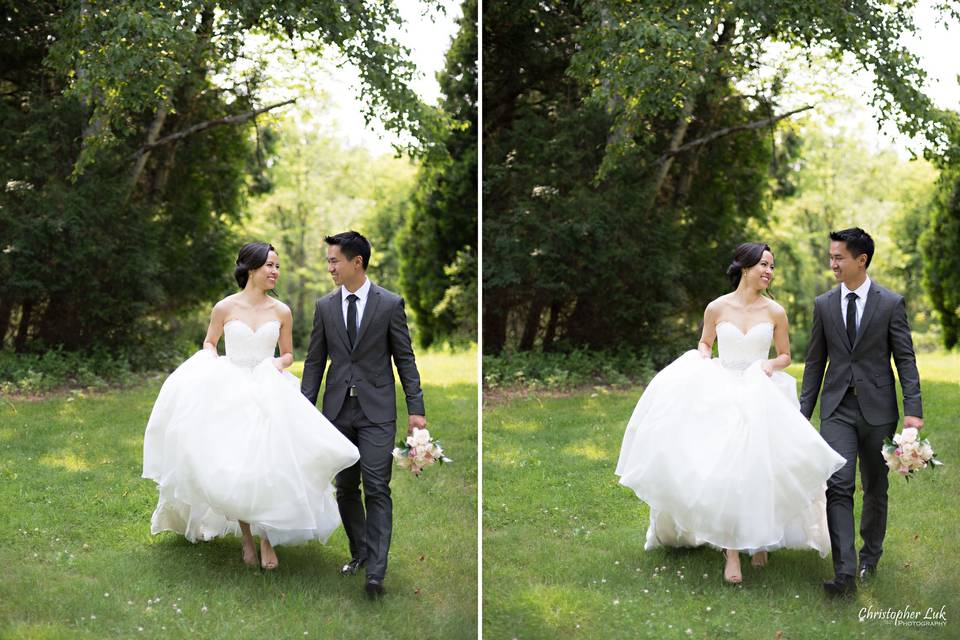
column 249, row 550
column 759, row 559
column 268, row 557
column 249, row 554
column 731, row 572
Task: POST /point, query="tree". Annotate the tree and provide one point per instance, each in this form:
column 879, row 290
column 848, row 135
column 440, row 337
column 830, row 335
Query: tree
column 940, row 244
column 128, row 149
column 438, row 238
column 628, row 147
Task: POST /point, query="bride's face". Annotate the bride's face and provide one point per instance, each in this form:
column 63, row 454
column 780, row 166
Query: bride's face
column 267, row 275
column 760, row 275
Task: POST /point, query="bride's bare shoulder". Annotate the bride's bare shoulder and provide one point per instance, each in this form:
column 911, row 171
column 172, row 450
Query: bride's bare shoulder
column 719, row 304
column 282, row 310
column 775, row 311
column 226, row 307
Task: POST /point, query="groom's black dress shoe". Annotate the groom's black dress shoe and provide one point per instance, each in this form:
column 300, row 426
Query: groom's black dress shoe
column 353, row 566
column 866, row 572
column 374, row 588
column 842, row 585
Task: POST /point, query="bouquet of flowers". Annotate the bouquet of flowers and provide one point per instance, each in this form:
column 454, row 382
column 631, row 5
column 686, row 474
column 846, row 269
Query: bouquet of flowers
column 418, row 451
column 905, row 453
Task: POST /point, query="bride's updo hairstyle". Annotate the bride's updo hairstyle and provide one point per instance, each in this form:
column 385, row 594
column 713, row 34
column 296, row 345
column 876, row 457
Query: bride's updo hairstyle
column 745, row 256
column 253, row 255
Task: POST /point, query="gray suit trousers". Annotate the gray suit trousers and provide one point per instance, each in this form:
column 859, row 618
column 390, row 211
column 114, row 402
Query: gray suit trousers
column 369, row 530
column 849, row 433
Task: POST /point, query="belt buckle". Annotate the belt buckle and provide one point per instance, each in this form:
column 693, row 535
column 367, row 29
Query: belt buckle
column 352, row 392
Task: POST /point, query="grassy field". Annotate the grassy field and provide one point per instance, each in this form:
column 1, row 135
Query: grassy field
column 563, row 541
column 78, row 560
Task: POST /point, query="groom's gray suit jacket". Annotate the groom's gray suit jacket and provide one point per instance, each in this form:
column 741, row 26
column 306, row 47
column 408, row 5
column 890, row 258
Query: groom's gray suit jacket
column 382, row 335
column 883, row 332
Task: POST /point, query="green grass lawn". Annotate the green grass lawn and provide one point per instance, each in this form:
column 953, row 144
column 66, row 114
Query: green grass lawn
column 78, row 560
column 563, row 541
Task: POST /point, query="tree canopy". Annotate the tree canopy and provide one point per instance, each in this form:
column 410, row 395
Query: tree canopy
column 128, row 150
column 628, row 147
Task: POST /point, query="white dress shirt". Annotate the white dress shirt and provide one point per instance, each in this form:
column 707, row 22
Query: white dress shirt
column 361, row 294
column 861, row 292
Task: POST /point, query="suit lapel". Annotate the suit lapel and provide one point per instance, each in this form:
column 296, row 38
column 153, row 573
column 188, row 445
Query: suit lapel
column 369, row 310
column 836, row 314
column 873, row 300
column 336, row 310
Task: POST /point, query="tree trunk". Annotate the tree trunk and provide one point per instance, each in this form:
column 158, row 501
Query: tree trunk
column 6, row 310
column 20, row 342
column 551, row 335
column 531, row 327
column 689, row 104
column 152, row 134
column 494, row 327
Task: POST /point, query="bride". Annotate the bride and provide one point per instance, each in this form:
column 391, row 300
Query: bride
column 231, row 443
column 718, row 447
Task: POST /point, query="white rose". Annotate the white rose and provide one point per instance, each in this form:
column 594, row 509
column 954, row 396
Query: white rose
column 421, row 437
column 926, row 451
column 908, row 435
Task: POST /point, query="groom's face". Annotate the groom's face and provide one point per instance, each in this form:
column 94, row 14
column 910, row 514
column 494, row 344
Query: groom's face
column 343, row 270
column 845, row 267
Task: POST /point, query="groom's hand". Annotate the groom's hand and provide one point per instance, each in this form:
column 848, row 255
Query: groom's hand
column 416, row 422
column 912, row 421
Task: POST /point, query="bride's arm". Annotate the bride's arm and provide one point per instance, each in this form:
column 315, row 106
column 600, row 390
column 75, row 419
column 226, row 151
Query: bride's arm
column 781, row 339
column 705, row 346
column 286, row 339
column 215, row 328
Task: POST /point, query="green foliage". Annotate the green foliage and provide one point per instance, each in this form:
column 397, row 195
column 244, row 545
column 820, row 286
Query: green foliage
column 101, row 230
column 156, row 348
column 437, row 243
column 560, row 371
column 647, row 61
column 940, row 244
column 618, row 262
column 627, row 150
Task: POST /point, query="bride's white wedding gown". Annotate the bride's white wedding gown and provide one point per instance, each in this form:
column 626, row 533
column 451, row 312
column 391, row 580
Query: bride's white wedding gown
column 232, row 438
column 723, row 456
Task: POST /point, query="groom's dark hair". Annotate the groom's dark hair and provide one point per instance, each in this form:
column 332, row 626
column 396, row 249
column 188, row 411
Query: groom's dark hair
column 857, row 240
column 352, row 244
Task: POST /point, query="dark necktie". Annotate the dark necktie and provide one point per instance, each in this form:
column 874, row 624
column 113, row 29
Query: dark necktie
column 352, row 319
column 852, row 317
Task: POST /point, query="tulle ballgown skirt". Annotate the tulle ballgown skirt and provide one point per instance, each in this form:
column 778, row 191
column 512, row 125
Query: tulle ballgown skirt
column 227, row 443
column 724, row 457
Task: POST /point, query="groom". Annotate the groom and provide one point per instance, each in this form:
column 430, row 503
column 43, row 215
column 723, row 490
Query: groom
column 360, row 327
column 857, row 327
